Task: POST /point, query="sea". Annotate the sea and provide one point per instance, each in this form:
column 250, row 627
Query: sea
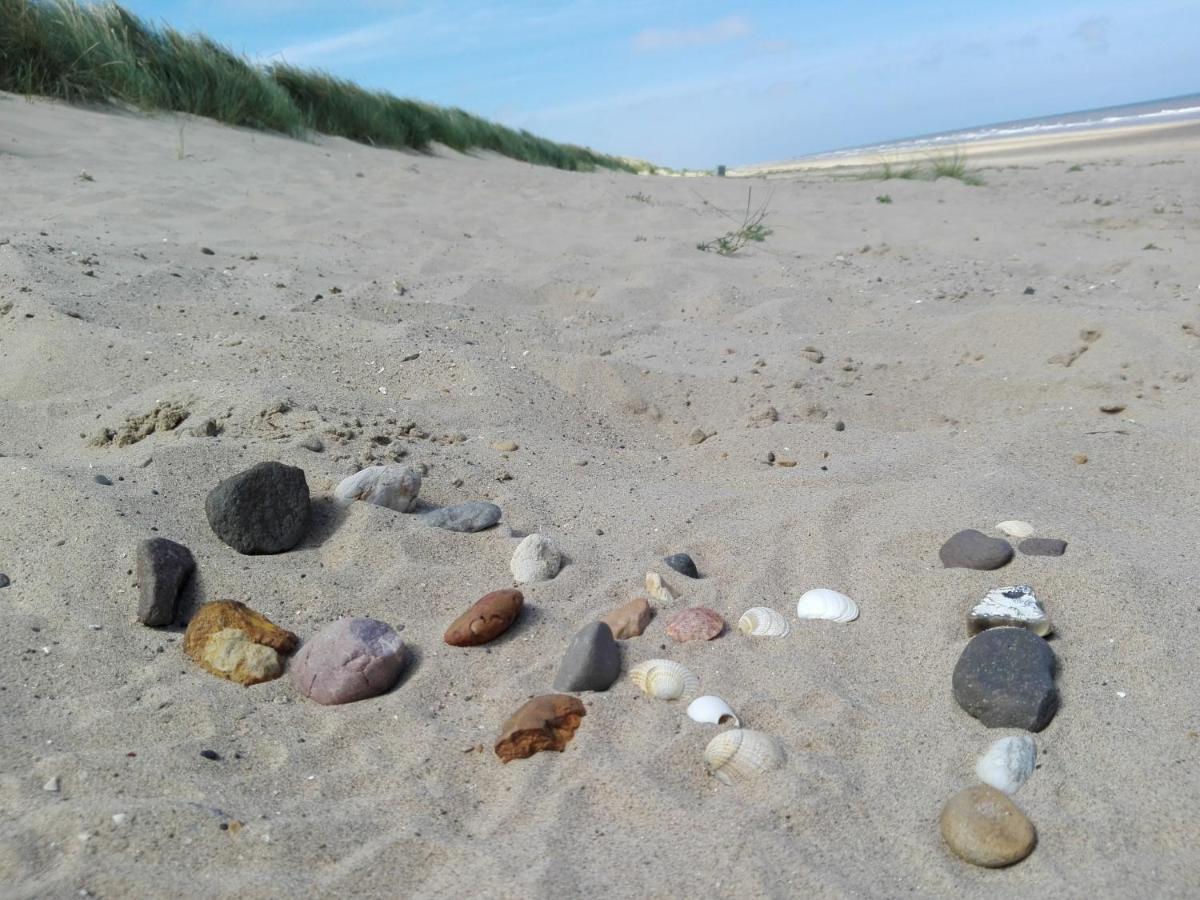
column 1170, row 109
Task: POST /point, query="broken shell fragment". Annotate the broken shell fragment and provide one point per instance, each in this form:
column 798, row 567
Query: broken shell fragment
column 395, row 487
column 1015, row 528
column 232, row 641
column 664, row 679
column 741, row 754
column 1009, row 606
column 488, row 618
column 762, row 621
column 712, row 710
column 1008, row 763
column 656, row 589
column 822, row 603
column 547, row 722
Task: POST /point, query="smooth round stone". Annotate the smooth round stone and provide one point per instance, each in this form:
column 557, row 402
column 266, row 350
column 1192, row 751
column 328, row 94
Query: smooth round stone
column 696, row 623
column 1042, row 547
column 986, row 828
column 4, row 580
column 488, row 618
column 973, row 549
column 592, row 661
column 683, row 564
column 349, row 660
column 1005, row 679
column 162, row 568
column 264, row 509
column 535, row 559
column 395, row 487
column 475, row 515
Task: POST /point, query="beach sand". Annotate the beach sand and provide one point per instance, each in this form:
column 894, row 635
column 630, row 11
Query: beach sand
column 554, row 310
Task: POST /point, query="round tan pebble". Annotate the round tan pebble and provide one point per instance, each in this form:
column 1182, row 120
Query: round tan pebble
column 1080, row 458
column 696, row 623
column 505, row 446
column 985, row 828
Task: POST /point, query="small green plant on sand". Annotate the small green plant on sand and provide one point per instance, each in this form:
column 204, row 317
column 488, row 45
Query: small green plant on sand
column 953, row 166
column 1075, row 168
column 639, row 197
column 750, row 228
column 883, row 198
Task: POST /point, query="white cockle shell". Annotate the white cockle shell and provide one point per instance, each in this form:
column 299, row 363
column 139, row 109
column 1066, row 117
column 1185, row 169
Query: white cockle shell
column 822, row 603
column 1015, row 528
column 712, row 710
column 741, row 754
column 762, row 621
column 1008, row 763
column 665, row 679
column 395, row 487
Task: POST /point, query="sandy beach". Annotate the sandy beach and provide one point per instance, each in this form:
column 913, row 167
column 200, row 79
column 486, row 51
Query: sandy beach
column 423, row 308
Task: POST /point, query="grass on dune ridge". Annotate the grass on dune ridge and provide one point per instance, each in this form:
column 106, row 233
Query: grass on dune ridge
column 103, row 54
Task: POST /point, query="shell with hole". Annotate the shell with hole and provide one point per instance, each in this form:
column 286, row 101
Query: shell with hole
column 1008, row 763
column 664, row 679
column 657, row 589
column 762, row 621
column 822, row 603
column 712, row 710
column 741, row 754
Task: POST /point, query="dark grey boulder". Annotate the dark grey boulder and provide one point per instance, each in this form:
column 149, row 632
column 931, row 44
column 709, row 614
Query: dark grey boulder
column 349, row 660
column 1042, row 547
column 683, row 564
column 1005, row 679
column 973, row 549
column 475, row 515
column 264, row 509
column 162, row 568
column 592, row 661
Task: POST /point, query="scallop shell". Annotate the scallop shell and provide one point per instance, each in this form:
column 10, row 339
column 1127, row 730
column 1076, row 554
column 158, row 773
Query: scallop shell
column 1008, row 763
column 711, row 709
column 741, row 753
column 823, row 603
column 656, row 589
column 664, row 679
column 1015, row 528
column 762, row 621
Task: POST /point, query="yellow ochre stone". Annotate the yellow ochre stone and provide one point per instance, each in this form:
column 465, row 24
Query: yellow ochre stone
column 232, row 641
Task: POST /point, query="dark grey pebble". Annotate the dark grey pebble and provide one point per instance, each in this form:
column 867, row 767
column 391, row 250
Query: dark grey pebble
column 210, row 754
column 1042, row 547
column 162, row 568
column 592, row 661
column 264, row 509
column 475, row 515
column 4, row 582
column 1005, row 679
column 973, row 549
column 103, row 479
column 1029, row 292
column 683, row 564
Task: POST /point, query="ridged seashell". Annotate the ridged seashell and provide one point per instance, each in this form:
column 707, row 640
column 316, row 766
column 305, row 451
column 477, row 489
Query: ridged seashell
column 713, row 710
column 822, row 603
column 664, row 679
column 1008, row 763
column 1015, row 528
column 395, row 487
column 656, row 589
column 1009, row 606
column 741, row 754
column 762, row 621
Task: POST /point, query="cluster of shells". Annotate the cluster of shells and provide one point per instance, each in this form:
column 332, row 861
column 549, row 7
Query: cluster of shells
column 821, row 603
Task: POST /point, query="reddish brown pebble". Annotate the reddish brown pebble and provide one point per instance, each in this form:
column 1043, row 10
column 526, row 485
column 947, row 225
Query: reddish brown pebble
column 547, row 722
column 629, row 620
column 489, row 618
column 695, row 624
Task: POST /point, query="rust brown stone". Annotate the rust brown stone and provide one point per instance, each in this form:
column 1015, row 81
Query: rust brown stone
column 488, row 618
column 631, row 619
column 232, row 641
column 696, row 623
column 544, row 723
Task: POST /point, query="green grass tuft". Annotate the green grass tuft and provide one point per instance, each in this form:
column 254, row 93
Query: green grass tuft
column 750, row 229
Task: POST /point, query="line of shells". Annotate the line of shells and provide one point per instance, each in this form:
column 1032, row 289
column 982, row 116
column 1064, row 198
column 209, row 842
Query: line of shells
column 762, row 621
column 823, row 603
column 665, row 679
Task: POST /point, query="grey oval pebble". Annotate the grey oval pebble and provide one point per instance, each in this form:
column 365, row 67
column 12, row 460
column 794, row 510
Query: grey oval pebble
column 592, row 661
column 162, row 568
column 475, row 515
column 1005, row 679
column 4, row 582
column 349, row 660
column 971, row 549
column 683, row 564
column 1042, row 547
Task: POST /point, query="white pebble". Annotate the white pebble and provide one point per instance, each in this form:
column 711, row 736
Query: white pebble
column 1015, row 528
column 52, row 784
column 535, row 559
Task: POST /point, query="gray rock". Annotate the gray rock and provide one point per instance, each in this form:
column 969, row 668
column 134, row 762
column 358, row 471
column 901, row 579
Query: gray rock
column 475, row 515
column 4, row 581
column 349, row 660
column 683, row 564
column 592, row 661
column 103, row 479
column 162, row 568
column 973, row 549
column 314, row 443
column 264, row 509
column 1042, row 547
column 1005, row 679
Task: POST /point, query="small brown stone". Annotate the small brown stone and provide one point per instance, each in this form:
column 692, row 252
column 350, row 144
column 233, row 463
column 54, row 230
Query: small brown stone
column 232, row 641
column 488, row 618
column 1112, row 408
column 631, row 619
column 1080, row 458
column 696, row 623
column 985, row 828
column 544, row 723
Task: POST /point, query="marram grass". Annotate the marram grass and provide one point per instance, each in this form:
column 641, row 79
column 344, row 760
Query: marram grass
column 105, row 54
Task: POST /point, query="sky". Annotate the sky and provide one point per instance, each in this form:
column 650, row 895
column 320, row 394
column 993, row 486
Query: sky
column 700, row 83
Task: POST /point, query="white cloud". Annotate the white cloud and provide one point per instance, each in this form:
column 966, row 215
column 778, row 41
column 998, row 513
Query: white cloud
column 722, row 31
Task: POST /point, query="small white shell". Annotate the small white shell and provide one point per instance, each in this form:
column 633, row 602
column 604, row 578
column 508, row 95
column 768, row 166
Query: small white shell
column 762, row 621
column 1015, row 528
column 1008, row 763
column 711, row 709
column 741, row 753
column 1009, row 606
column 664, row 679
column 395, row 487
column 823, row 603
column 656, row 589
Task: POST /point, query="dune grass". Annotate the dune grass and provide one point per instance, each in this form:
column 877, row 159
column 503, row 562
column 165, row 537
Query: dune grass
column 104, row 54
column 945, row 166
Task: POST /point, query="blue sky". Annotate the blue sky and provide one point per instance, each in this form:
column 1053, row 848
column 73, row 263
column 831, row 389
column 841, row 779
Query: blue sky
column 699, row 83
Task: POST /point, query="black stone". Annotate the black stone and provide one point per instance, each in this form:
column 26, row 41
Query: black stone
column 1042, row 547
column 1029, row 292
column 1005, row 679
column 592, row 661
column 103, row 479
column 210, row 754
column 4, row 582
column 972, row 549
column 262, row 510
column 475, row 515
column 162, row 568
column 682, row 563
